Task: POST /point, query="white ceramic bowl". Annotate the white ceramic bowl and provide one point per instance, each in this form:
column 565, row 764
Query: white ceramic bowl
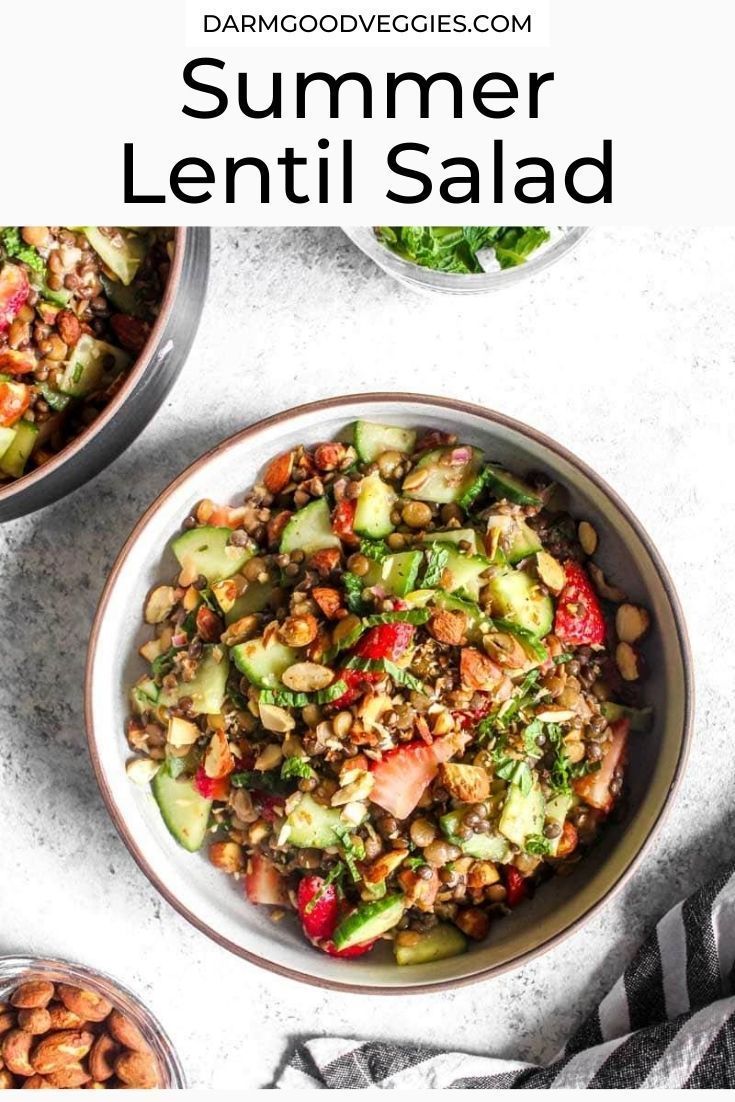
column 214, row 903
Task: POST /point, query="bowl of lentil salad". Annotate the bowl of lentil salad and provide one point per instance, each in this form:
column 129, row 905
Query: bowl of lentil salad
column 95, row 324
column 301, row 904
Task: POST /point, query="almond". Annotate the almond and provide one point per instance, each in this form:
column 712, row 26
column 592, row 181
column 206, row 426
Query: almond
column 102, row 1058
column 448, row 627
column 467, row 783
column 307, row 677
column 325, row 561
column 31, row 994
column 125, row 1032
column 16, row 1048
column 137, row 1069
column 7, row 1021
column 89, row 1005
column 328, row 600
column 57, row 1050
column 631, row 623
column 473, row 922
column 477, row 671
column 69, row 327
column 7, row 1081
column 63, row 1018
column 68, row 1078
column 37, row 1083
column 278, row 473
column 36, row 1020
column 227, row 856
column 218, row 760
column 298, row 631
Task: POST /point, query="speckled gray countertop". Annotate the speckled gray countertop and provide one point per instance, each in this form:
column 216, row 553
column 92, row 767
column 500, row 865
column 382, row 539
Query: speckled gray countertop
column 624, row 352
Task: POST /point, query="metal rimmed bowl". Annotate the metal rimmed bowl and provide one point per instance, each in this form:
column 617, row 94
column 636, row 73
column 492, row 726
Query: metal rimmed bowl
column 17, row 970
column 215, row 905
column 564, row 239
column 147, row 384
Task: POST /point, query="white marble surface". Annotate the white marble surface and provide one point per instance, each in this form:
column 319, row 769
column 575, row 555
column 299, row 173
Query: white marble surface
column 624, row 352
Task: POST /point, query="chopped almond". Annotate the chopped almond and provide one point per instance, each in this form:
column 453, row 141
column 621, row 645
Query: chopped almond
column 448, row 627
column 328, row 600
column 473, row 922
column 467, row 783
column 477, row 671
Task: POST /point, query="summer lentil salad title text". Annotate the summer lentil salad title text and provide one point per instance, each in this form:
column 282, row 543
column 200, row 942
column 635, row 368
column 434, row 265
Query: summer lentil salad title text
column 325, row 172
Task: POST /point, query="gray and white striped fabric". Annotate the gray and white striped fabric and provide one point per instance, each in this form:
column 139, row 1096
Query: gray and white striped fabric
column 669, row 1021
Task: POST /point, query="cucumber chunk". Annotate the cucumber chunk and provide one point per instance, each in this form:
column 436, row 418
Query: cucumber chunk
column 557, row 810
column 441, row 942
column 462, row 574
column 369, row 921
column 144, row 695
column 16, row 455
column 264, row 665
column 207, row 551
column 397, row 573
column 123, row 257
column 640, row 719
column 509, row 487
column 523, row 813
column 374, row 506
column 314, row 826
column 516, row 597
column 183, row 810
column 483, row 847
column 458, row 535
column 7, row 436
column 309, row 530
column 207, row 689
column 372, row 440
column 511, row 539
column 90, row 363
column 254, row 599
column 444, row 481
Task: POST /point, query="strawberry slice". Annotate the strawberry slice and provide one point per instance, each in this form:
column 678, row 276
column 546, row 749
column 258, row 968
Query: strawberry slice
column 403, row 774
column 579, row 620
column 385, row 641
column 515, row 886
column 357, row 682
column 264, row 883
column 318, row 904
column 15, row 399
column 351, row 951
column 212, row 788
column 14, row 292
column 595, row 787
column 343, row 519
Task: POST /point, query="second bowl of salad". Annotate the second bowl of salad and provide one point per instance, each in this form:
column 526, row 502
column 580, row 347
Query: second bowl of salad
column 399, row 692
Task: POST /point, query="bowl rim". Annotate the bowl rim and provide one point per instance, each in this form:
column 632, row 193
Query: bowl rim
column 140, row 365
column 493, row 417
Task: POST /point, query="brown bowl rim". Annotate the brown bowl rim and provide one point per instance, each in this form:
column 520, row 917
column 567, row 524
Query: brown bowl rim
column 140, row 365
column 495, row 418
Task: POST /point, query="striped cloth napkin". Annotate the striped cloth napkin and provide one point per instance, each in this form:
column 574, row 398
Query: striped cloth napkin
column 669, row 1021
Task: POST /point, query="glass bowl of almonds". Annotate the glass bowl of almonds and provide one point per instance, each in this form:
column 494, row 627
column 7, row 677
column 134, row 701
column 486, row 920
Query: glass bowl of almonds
column 64, row 1026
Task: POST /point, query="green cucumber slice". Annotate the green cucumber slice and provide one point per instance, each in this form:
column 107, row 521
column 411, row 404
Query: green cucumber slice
column 523, row 813
column 441, row 942
column 372, row 440
column 122, row 257
column 557, row 810
column 144, row 695
column 309, row 530
column 208, row 551
column 264, row 665
column 508, row 487
column 374, row 506
column 462, row 574
column 207, row 689
column 369, row 921
column 314, row 826
column 183, row 810
column 640, row 719
column 7, row 435
column 444, row 482
column 254, row 599
column 90, row 363
column 516, row 597
column 515, row 539
column 16, row 455
column 458, row 535
column 483, row 847
column 397, row 573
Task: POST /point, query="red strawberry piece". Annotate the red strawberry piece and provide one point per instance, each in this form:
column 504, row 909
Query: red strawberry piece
column 318, row 904
column 579, row 620
column 352, row 951
column 264, row 883
column 211, row 788
column 16, row 363
column 14, row 291
column 270, row 807
column 385, row 641
column 595, row 787
column 403, row 774
column 343, row 519
column 132, row 333
column 357, row 682
column 15, row 399
column 515, row 886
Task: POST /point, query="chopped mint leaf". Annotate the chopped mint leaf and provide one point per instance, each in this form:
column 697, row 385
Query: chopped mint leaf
column 295, row 767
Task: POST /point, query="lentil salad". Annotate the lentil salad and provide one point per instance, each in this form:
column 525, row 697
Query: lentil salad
column 76, row 308
column 392, row 690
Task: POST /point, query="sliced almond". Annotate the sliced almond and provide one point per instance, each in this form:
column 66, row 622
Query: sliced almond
column 631, row 623
column 276, row 719
column 551, row 572
column 307, row 677
column 551, row 713
column 467, row 783
column 373, row 706
column 628, row 662
column 609, row 592
column 587, row 537
column 358, row 789
column 160, row 603
column 181, row 732
column 268, row 758
column 218, row 760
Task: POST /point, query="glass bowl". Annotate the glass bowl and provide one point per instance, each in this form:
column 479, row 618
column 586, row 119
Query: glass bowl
column 17, row 970
column 563, row 240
